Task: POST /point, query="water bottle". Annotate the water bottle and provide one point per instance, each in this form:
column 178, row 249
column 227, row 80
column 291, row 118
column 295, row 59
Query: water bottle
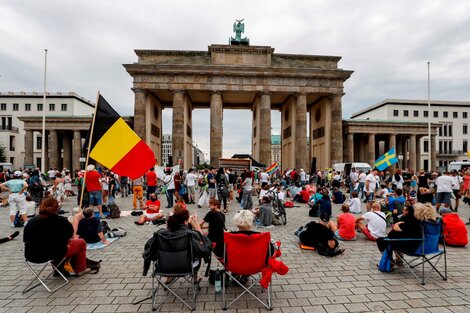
column 218, row 282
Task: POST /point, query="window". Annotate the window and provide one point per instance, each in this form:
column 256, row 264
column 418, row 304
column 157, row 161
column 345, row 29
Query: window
column 416, row 113
column 425, row 113
column 12, row 160
column 446, row 114
column 395, row 112
column 450, row 147
column 39, row 106
column 63, row 107
column 450, row 130
column 456, row 114
column 12, row 143
column 4, row 122
column 445, row 130
column 405, row 112
column 51, row 106
column 440, row 147
column 465, row 146
column 464, row 114
column 3, row 106
column 440, row 131
column 38, row 143
column 426, row 146
column 27, row 107
column 435, row 114
column 465, row 129
column 16, row 106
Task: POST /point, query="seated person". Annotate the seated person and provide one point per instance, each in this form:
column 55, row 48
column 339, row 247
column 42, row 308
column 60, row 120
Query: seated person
column 345, row 227
column 216, row 220
column 325, row 204
column 320, row 237
column 382, row 192
column 243, row 220
column 90, row 228
column 280, row 194
column 395, row 203
column 302, row 196
column 375, row 223
column 293, row 191
column 425, row 195
column 152, row 211
column 455, row 231
column 264, row 213
column 30, row 207
column 264, row 192
column 338, row 197
column 49, row 236
column 355, row 203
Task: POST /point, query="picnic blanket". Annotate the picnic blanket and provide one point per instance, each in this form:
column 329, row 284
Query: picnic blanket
column 100, row 245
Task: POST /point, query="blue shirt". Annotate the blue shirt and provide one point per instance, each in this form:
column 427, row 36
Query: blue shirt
column 15, row 185
column 391, row 202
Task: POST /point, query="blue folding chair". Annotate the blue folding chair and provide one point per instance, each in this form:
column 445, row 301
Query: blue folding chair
column 428, row 251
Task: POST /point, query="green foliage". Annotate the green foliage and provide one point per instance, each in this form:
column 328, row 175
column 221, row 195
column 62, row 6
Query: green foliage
column 3, row 154
column 202, row 166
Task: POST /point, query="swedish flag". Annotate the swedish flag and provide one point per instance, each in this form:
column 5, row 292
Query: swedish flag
column 386, row 160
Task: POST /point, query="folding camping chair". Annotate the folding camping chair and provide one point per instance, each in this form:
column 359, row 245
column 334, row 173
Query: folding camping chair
column 246, row 255
column 428, row 252
column 42, row 280
column 174, row 258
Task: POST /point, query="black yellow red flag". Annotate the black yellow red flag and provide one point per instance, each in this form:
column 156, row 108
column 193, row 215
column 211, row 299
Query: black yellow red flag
column 115, row 145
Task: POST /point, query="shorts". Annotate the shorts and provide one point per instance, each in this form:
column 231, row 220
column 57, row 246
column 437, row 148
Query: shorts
column 443, row 197
column 370, row 197
column 95, row 197
column 367, row 233
column 151, row 215
column 212, row 192
column 339, row 237
column 17, row 203
column 456, row 193
column 192, row 190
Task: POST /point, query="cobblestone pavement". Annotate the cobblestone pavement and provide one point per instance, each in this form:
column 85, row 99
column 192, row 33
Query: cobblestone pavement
column 347, row 283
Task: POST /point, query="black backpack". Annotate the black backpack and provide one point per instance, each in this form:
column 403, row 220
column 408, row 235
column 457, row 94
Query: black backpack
column 114, row 211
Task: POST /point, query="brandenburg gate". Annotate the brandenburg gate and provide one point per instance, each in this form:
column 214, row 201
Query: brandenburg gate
column 242, row 77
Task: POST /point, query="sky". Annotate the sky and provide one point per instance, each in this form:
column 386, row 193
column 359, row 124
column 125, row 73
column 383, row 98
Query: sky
column 386, row 43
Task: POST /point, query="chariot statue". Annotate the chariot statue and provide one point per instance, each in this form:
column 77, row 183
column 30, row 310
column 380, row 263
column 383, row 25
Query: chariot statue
column 239, row 29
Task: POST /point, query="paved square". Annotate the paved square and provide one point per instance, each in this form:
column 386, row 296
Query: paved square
column 347, row 283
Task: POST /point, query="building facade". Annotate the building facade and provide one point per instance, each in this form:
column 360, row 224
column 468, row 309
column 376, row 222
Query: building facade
column 24, row 146
column 275, row 148
column 450, row 117
column 167, row 150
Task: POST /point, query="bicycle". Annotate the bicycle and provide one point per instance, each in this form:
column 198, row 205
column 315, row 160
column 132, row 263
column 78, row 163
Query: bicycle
column 278, row 207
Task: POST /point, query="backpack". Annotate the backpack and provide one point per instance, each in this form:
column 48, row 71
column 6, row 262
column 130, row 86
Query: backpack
column 117, row 232
column 106, row 228
column 114, row 211
column 289, row 204
column 385, row 264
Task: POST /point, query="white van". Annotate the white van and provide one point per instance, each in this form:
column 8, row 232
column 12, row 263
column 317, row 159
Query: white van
column 458, row 165
column 346, row 167
column 6, row 166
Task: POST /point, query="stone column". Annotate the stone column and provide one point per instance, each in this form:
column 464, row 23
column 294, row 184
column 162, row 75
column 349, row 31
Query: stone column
column 413, row 153
column 300, row 132
column 392, row 142
column 432, row 146
column 371, row 148
column 67, row 144
column 336, row 135
column 28, row 147
column 418, row 153
column 53, row 149
column 265, row 129
column 216, row 128
column 139, row 113
column 405, row 152
column 46, row 153
column 350, row 147
column 178, row 127
column 76, row 151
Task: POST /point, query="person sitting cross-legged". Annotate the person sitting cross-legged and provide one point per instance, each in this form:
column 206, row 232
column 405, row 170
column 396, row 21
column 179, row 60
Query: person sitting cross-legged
column 90, row 228
column 345, row 227
column 152, row 211
column 264, row 213
column 375, row 223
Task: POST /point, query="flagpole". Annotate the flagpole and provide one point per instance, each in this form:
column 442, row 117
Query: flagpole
column 43, row 139
column 429, row 117
column 90, row 139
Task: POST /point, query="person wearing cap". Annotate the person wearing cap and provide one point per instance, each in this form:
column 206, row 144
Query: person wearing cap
column 455, row 231
column 16, row 198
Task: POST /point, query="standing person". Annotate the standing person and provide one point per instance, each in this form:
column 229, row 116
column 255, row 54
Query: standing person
column 35, row 186
column 445, row 184
column 216, row 221
column 423, row 180
column 16, row 198
column 125, row 186
column 456, row 187
column 190, row 182
column 264, row 179
column 94, row 188
column 211, row 181
column 353, row 176
column 466, row 184
column 222, row 187
column 361, row 182
column 247, row 197
column 51, row 173
column 376, row 223
column 151, row 178
column 138, row 192
column 113, row 187
column 369, row 187
column 105, row 186
column 68, row 184
column 303, row 177
column 169, row 181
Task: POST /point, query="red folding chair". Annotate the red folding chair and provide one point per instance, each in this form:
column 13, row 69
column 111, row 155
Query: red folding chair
column 246, row 255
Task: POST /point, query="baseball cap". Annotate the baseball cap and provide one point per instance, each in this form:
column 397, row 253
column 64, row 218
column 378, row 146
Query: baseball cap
column 18, row 174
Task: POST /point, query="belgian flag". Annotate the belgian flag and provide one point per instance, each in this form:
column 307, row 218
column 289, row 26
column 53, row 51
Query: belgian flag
column 115, row 145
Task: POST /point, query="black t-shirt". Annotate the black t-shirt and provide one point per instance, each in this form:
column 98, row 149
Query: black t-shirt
column 112, row 187
column 406, row 176
column 316, row 233
column 210, row 176
column 216, row 222
column 89, row 228
column 423, row 181
column 46, row 238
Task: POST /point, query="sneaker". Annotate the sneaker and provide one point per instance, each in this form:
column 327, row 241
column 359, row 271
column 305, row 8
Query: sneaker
column 84, row 272
column 12, row 225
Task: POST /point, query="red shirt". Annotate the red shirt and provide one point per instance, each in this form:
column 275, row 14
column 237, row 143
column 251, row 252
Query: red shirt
column 347, row 226
column 305, row 194
column 455, row 230
column 151, row 178
column 153, row 206
column 92, row 181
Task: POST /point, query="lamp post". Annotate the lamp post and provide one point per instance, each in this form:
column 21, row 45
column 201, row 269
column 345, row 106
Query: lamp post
column 429, row 117
column 43, row 139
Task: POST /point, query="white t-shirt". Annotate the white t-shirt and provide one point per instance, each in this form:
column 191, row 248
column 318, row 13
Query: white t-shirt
column 399, row 182
column 264, row 177
column 362, row 177
column 247, row 185
column 280, row 195
column 458, row 180
column 376, row 224
column 353, row 176
column 355, row 205
column 51, row 173
column 372, row 183
column 444, row 183
column 191, row 180
column 302, row 176
column 263, row 193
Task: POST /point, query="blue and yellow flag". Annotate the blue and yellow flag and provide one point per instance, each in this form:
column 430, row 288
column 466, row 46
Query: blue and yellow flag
column 386, row 160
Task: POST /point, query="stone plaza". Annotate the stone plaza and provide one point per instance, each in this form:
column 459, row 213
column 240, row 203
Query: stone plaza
column 349, row 282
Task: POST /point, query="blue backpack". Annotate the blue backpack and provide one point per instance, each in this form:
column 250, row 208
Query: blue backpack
column 385, row 264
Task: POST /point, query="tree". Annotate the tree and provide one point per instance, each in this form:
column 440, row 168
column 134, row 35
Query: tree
column 3, row 154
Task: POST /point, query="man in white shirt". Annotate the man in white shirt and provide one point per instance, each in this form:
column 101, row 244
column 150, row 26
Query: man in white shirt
column 303, row 177
column 375, row 223
column 444, row 184
column 190, row 182
column 361, row 179
column 458, row 183
column 264, row 179
column 352, row 180
column 369, row 187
